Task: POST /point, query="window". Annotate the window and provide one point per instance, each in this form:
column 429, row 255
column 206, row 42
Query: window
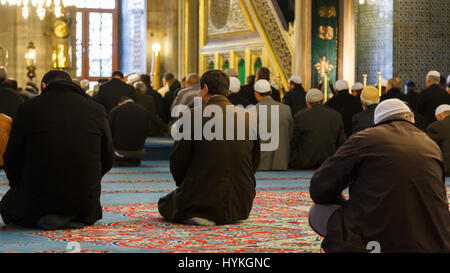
column 96, row 38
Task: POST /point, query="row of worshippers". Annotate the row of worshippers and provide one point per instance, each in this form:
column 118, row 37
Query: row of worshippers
column 60, row 148
column 311, row 131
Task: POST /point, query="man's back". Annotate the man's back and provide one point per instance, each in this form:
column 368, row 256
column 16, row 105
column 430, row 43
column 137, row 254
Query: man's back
column 429, row 99
column 278, row 159
column 396, row 187
column 9, row 101
column 238, row 99
column 161, row 107
column 439, row 131
column 129, row 126
column 110, row 93
column 364, row 119
column 186, row 96
column 59, row 149
column 215, row 178
column 318, row 133
column 393, row 93
column 295, row 99
column 347, row 105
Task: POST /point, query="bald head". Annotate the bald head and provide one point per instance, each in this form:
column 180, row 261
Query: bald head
column 394, row 83
column 192, row 79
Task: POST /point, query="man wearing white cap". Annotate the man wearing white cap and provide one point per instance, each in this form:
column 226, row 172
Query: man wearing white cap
column 346, row 104
column 295, row 98
column 397, row 195
column 277, row 160
column 357, row 88
column 369, row 101
column 439, row 131
column 318, row 133
column 431, row 97
column 234, row 95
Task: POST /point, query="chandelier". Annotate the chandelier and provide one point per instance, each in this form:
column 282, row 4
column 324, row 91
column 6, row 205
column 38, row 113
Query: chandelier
column 41, row 6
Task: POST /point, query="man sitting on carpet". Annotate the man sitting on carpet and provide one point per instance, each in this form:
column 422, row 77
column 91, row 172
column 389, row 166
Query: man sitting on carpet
column 130, row 125
column 59, row 148
column 397, row 199
column 215, row 178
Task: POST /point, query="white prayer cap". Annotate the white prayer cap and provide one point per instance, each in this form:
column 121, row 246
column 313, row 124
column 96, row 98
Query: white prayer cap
column 434, row 74
column 388, row 108
column 262, row 86
column 357, row 86
column 133, row 78
column 314, row 95
column 441, row 109
column 235, row 85
column 296, row 79
column 341, row 85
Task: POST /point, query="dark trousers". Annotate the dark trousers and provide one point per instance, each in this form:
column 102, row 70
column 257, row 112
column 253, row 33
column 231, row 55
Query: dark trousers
column 318, row 217
column 128, row 158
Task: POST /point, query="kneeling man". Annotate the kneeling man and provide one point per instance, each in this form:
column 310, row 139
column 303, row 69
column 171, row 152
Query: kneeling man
column 216, row 177
column 395, row 176
column 59, row 148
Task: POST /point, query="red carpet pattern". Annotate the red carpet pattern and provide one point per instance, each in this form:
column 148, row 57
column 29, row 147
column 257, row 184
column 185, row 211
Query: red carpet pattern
column 278, row 223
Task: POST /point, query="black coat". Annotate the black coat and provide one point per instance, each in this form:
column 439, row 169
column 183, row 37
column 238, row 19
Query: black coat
column 318, row 133
column 429, row 99
column 295, row 99
column 397, row 192
column 59, row 149
column 412, row 98
column 393, row 93
column 129, row 126
column 112, row 91
column 364, row 119
column 249, row 94
column 439, row 131
column 215, row 179
column 9, row 101
column 161, row 107
column 238, row 99
column 347, row 105
column 157, row 125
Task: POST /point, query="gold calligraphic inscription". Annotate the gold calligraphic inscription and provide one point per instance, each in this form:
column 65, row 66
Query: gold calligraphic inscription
column 323, row 66
column 326, row 32
column 327, row 12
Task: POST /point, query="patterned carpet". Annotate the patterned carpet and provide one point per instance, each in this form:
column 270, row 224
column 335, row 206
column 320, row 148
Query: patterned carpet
column 131, row 223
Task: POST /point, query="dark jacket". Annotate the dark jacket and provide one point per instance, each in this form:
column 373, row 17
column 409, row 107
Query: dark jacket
column 439, row 131
column 129, row 124
column 276, row 94
column 161, row 107
column 157, row 125
column 347, row 105
column 112, row 91
column 238, row 99
column 215, row 179
column 412, row 98
column 397, row 192
column 429, row 99
column 364, row 119
column 295, row 99
column 59, row 149
column 393, row 93
column 9, row 101
column 318, row 133
column 249, row 94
